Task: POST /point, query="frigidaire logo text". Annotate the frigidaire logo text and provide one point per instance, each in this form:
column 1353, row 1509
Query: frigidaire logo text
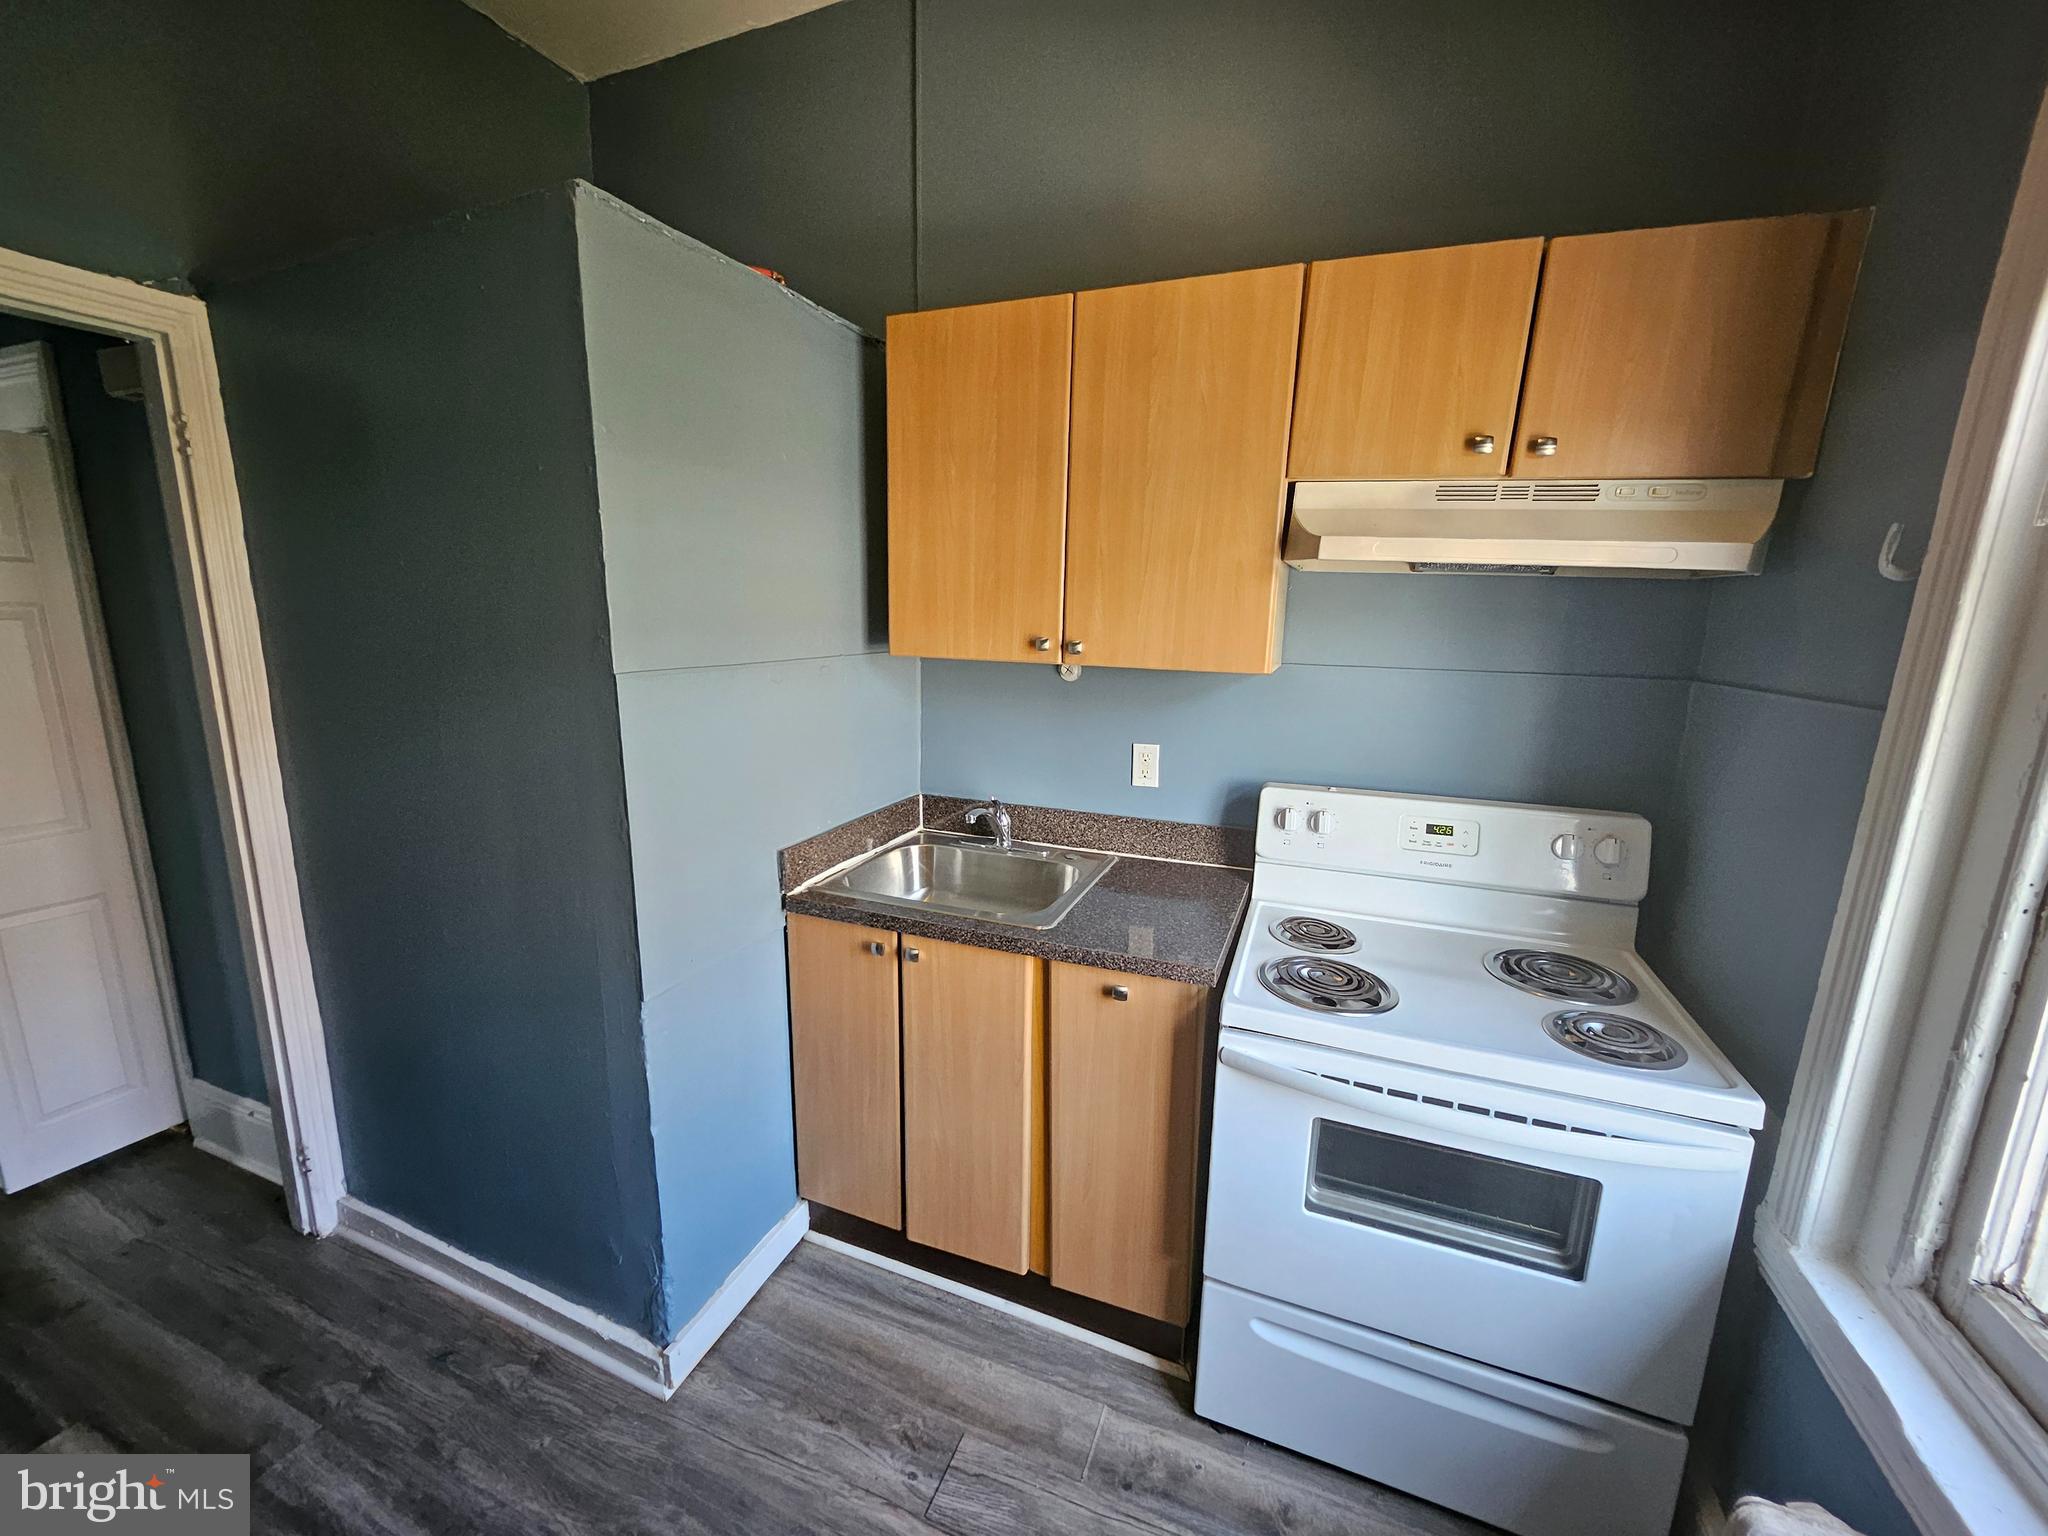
column 102, row 1499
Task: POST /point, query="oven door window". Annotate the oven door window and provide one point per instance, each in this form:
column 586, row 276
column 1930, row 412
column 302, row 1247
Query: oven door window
column 1534, row 1217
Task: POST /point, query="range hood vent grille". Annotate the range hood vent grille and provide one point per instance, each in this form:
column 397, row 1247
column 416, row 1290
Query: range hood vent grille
column 1497, row 491
column 1552, row 527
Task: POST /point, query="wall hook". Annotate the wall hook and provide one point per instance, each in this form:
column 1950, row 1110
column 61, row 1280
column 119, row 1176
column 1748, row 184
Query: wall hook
column 1887, row 557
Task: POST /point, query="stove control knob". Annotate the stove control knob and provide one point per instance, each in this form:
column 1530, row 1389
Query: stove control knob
column 1322, row 821
column 1609, row 850
column 1287, row 818
column 1565, row 845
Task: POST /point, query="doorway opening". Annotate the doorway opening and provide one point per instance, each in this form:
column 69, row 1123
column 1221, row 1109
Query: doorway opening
column 133, row 695
column 127, row 1008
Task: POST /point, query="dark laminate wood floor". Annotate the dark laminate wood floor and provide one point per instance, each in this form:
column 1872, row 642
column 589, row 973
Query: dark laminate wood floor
column 158, row 1301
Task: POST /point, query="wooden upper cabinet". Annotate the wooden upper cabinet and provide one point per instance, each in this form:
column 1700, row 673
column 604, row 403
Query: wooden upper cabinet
column 1181, row 400
column 1411, row 362
column 1702, row 350
column 978, row 478
column 845, row 1067
column 974, row 1103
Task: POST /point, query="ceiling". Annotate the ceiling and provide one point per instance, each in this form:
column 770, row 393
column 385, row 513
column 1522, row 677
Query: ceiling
column 590, row 38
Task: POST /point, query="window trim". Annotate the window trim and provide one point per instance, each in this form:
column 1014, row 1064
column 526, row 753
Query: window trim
column 1999, row 1220
column 1886, row 1106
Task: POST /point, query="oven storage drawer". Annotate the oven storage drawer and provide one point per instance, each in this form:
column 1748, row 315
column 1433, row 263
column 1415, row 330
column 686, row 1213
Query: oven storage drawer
column 1531, row 1458
column 1464, row 1216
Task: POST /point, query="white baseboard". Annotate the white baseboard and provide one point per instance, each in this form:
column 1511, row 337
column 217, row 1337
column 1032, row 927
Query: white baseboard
column 1003, row 1304
column 588, row 1335
column 232, row 1128
column 716, row 1315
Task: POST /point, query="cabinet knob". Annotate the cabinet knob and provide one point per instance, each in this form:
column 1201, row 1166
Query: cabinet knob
column 910, row 954
column 1117, row 994
column 1480, row 442
column 1041, row 642
column 875, row 947
column 1543, row 447
column 1073, row 647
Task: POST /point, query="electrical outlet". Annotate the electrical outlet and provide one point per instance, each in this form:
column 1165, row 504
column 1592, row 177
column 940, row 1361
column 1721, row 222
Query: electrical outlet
column 1145, row 764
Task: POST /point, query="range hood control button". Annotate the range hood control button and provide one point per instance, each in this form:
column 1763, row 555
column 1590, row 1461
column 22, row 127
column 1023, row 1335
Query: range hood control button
column 1609, row 851
column 1565, row 845
column 1287, row 818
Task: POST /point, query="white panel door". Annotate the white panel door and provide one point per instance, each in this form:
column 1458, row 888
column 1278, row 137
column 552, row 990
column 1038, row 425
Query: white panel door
column 85, row 1058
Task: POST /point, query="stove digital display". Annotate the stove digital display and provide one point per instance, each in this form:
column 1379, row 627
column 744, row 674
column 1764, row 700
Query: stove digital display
column 1438, row 829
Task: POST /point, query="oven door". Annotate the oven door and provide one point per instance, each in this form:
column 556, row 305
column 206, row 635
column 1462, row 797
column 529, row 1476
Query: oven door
column 1578, row 1243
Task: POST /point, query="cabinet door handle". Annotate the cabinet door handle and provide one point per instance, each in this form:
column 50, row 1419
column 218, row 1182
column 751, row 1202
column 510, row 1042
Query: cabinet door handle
column 1073, row 647
column 1041, row 642
column 910, row 954
column 1117, row 994
column 1480, row 442
column 875, row 947
column 1543, row 447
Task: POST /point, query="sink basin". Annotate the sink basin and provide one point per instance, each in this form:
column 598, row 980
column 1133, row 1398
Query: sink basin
column 1026, row 885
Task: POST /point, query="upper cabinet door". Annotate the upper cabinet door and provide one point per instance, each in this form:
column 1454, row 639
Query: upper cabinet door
column 1703, row 350
column 1411, row 362
column 978, row 478
column 1182, row 395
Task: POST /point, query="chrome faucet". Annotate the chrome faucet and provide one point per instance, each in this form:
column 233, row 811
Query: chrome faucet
column 997, row 815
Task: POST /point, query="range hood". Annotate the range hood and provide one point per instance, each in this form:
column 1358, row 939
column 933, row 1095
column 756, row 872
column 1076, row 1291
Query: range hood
column 1543, row 527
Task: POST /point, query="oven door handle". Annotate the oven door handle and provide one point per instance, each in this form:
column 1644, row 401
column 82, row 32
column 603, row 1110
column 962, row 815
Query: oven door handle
column 1734, row 1156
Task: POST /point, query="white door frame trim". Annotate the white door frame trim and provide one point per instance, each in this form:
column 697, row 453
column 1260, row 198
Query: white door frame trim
column 205, row 513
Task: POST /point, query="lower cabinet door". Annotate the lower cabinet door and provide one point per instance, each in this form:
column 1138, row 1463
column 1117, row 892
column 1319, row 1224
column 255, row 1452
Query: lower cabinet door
column 974, row 1103
column 1126, row 1116
column 845, row 1066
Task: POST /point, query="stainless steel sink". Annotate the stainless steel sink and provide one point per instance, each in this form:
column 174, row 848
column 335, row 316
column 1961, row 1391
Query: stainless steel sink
column 1025, row 885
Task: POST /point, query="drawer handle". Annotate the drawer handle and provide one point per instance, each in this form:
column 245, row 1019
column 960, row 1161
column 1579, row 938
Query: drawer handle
column 1117, row 994
column 876, row 947
column 910, row 954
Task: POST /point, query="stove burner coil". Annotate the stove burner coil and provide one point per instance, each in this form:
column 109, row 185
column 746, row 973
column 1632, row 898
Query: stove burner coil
column 1567, row 978
column 1614, row 1039
column 1326, row 986
column 1316, row 933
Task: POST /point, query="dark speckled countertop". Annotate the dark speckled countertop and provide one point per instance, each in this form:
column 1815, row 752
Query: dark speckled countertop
column 1151, row 917
column 1148, row 916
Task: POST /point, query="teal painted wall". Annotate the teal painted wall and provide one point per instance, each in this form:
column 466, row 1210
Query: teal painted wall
column 411, row 418
column 739, row 493
column 138, row 590
column 187, row 144
column 1054, row 145
column 1930, row 125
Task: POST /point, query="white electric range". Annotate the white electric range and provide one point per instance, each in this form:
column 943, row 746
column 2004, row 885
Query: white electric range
column 1475, row 1174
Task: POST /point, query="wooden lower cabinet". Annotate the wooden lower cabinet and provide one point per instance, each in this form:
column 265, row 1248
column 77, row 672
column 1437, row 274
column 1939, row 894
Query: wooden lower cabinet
column 1126, row 1088
column 845, row 1067
column 974, row 1103
column 1032, row 1116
